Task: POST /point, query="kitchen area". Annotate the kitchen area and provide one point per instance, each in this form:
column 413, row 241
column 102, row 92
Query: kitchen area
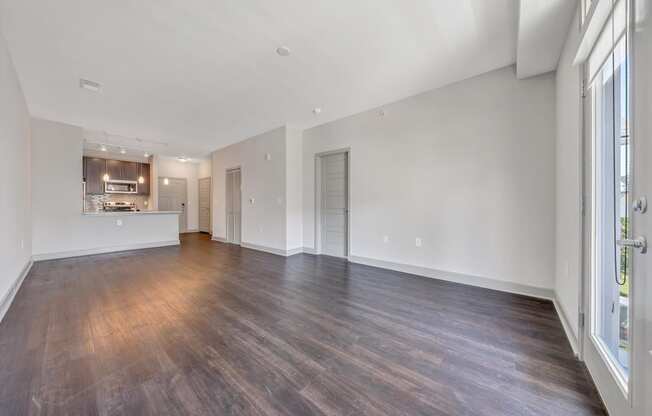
column 111, row 185
column 86, row 200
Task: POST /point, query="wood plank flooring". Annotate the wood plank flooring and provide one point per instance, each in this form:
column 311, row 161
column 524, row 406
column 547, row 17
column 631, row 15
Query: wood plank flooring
column 212, row 329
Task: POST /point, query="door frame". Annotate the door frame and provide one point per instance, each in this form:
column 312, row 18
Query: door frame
column 318, row 198
column 226, row 212
column 210, row 203
column 185, row 206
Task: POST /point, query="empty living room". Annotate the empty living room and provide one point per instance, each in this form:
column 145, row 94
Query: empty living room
column 329, row 208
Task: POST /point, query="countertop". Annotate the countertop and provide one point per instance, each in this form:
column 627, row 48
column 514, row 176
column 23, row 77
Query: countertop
column 123, row 213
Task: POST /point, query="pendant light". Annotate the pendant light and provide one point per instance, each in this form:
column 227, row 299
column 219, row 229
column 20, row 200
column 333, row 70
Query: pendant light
column 141, row 180
column 106, row 177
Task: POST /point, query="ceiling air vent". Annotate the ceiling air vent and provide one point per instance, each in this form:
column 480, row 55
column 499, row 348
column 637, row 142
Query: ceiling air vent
column 90, row 85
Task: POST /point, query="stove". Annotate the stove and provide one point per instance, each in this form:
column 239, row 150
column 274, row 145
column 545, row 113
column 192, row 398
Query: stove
column 119, row 206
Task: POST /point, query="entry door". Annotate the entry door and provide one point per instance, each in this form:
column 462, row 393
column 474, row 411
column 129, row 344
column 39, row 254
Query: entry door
column 205, row 205
column 172, row 196
column 334, row 204
column 616, row 350
column 233, row 206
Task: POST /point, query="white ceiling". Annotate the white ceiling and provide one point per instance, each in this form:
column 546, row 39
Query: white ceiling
column 201, row 74
column 542, row 29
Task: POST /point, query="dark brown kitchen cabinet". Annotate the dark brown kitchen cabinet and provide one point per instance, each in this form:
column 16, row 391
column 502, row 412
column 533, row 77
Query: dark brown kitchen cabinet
column 143, row 188
column 130, row 171
column 114, row 169
column 119, row 170
column 94, row 170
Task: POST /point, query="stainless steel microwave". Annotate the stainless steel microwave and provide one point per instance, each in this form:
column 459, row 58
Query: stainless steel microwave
column 120, row 187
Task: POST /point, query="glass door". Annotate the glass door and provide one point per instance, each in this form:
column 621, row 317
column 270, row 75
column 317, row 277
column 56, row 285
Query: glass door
column 611, row 189
column 614, row 283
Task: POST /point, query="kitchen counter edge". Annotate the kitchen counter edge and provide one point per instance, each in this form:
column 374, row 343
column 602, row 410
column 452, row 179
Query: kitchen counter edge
column 123, row 213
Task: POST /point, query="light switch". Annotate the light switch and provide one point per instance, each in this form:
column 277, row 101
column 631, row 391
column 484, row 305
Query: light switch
column 252, row 200
column 385, row 239
column 268, row 156
column 118, row 222
column 417, row 242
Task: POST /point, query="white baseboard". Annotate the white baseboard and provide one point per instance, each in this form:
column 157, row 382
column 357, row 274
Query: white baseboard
column 272, row 250
column 193, row 230
column 572, row 339
column 102, row 250
column 484, row 282
column 6, row 301
column 309, row 250
column 293, row 251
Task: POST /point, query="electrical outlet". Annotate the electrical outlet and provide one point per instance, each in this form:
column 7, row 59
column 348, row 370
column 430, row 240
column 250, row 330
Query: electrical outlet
column 418, row 242
column 385, row 239
column 118, row 223
column 22, row 244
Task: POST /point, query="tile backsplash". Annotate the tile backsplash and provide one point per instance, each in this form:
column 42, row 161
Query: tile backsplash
column 96, row 202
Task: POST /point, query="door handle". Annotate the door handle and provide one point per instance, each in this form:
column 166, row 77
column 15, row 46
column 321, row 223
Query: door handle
column 640, row 243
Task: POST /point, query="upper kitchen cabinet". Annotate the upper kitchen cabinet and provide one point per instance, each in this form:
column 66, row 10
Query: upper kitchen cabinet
column 119, row 170
column 143, row 188
column 94, row 170
column 114, row 169
column 130, row 171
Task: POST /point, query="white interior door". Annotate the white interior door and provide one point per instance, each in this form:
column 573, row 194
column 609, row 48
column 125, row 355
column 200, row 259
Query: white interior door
column 233, row 206
column 616, row 346
column 173, row 196
column 205, row 205
column 334, row 205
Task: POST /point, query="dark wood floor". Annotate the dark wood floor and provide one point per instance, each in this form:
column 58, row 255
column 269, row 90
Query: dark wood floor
column 212, row 329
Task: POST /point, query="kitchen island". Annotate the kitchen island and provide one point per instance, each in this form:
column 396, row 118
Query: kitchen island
column 96, row 232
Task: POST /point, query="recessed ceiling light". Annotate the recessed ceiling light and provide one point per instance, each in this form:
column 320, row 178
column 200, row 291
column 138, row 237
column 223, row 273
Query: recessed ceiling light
column 316, row 110
column 123, row 151
column 283, row 51
column 146, row 154
column 103, row 148
column 90, row 85
column 182, row 159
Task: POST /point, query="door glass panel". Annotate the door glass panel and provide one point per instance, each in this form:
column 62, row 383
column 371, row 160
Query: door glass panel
column 611, row 195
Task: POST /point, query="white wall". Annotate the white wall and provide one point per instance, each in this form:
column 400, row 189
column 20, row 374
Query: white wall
column 264, row 220
column 469, row 168
column 205, row 168
column 294, row 191
column 58, row 225
column 15, row 233
column 568, row 178
column 171, row 168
